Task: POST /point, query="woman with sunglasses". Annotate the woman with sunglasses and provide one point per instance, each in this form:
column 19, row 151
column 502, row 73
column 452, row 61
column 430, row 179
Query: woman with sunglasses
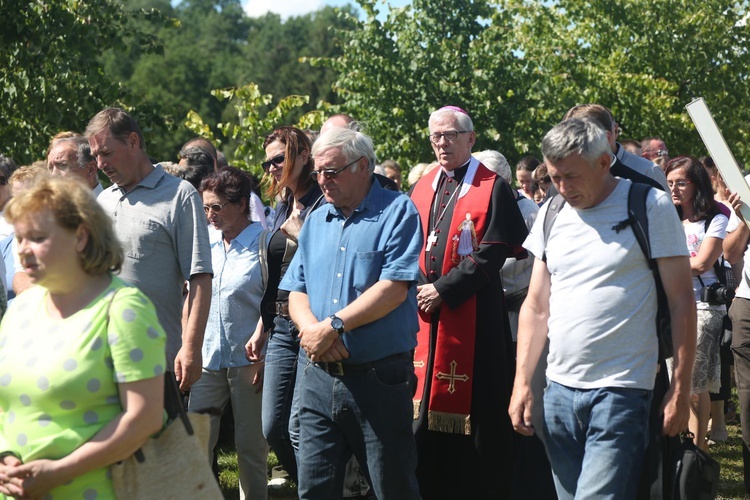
column 705, row 229
column 289, row 165
column 235, row 309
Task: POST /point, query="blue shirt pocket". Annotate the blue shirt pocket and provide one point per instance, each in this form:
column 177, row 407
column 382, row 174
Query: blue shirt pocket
column 366, row 269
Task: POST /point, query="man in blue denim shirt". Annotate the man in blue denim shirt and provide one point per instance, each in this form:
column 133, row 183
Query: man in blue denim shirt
column 352, row 295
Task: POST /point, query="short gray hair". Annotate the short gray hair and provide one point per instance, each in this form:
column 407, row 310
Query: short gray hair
column 462, row 119
column 575, row 136
column 82, row 147
column 495, row 162
column 77, row 142
column 353, row 144
column 84, row 153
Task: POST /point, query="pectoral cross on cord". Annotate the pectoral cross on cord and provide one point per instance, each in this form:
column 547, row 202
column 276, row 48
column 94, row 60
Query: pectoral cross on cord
column 432, row 239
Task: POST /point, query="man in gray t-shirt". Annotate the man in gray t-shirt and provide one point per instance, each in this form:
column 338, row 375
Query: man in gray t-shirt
column 593, row 296
column 160, row 223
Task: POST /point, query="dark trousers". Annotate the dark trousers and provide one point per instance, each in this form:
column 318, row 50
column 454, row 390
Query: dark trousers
column 740, row 315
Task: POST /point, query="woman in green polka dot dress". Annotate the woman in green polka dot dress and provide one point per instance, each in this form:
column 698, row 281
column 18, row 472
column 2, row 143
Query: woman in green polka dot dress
column 81, row 354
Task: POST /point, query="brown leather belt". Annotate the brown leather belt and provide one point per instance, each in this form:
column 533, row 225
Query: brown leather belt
column 282, row 309
column 338, row 369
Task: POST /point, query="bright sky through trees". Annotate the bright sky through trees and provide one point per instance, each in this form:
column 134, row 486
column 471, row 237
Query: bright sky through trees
column 287, row 8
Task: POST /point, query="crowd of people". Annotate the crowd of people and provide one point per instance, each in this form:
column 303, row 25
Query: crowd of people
column 384, row 332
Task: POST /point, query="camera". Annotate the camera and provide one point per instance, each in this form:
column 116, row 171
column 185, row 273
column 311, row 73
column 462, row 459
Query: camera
column 717, row 294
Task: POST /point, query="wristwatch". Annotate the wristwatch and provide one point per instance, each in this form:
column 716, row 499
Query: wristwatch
column 337, row 324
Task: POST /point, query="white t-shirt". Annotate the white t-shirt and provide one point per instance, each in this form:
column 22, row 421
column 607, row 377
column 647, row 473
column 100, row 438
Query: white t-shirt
column 695, row 233
column 602, row 324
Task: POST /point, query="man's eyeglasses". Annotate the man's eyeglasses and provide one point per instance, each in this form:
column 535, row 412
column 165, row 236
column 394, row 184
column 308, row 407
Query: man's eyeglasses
column 449, row 136
column 331, row 173
column 216, row 208
column 277, row 162
column 679, row 184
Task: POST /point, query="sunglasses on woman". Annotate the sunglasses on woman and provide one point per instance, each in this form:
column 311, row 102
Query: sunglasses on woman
column 215, row 208
column 278, row 162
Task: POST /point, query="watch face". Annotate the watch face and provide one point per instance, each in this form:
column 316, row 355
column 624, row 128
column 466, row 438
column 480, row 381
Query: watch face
column 337, row 324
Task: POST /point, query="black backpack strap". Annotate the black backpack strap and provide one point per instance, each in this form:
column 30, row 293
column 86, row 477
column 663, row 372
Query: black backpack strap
column 718, row 268
column 639, row 218
column 555, row 205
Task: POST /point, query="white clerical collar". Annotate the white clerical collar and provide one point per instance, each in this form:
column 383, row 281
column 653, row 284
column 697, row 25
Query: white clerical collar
column 467, row 180
column 452, row 173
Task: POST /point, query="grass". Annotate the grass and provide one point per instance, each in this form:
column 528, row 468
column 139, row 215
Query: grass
column 728, row 454
column 229, row 478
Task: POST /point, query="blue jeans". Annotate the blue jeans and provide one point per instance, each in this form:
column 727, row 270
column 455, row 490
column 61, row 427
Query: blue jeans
column 595, row 440
column 367, row 413
column 279, row 412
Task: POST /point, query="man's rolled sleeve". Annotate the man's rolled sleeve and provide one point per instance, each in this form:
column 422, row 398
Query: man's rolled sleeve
column 294, row 278
column 191, row 237
column 401, row 256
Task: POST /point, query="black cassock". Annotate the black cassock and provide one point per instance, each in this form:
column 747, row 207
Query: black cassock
column 480, row 465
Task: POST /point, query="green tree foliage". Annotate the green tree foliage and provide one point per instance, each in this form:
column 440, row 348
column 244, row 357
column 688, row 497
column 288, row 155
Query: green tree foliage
column 253, row 123
column 392, row 74
column 49, row 74
column 202, row 51
column 217, row 46
column 274, row 50
column 518, row 66
column 644, row 60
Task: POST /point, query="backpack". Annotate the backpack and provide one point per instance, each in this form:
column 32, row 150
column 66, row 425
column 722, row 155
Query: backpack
column 638, row 220
column 695, row 475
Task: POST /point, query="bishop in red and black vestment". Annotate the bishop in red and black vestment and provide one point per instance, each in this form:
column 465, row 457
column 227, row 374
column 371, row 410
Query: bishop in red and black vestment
column 464, row 360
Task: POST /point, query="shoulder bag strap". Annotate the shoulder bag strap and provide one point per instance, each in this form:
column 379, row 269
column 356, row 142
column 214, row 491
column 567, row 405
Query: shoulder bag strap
column 555, row 205
column 637, row 212
column 263, row 256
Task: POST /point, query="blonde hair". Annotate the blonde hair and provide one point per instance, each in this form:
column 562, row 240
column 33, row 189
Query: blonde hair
column 27, row 173
column 73, row 205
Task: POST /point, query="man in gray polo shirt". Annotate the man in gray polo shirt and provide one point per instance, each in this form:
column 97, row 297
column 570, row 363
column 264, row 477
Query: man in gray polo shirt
column 160, row 223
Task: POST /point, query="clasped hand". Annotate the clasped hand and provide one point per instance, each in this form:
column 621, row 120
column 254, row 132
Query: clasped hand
column 28, row 481
column 322, row 343
column 428, row 298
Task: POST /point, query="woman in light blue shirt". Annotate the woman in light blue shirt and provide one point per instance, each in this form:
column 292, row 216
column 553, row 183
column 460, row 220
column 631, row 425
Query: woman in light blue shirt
column 235, row 308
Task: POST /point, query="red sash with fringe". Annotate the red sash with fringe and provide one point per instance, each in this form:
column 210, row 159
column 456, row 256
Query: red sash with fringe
column 449, row 407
